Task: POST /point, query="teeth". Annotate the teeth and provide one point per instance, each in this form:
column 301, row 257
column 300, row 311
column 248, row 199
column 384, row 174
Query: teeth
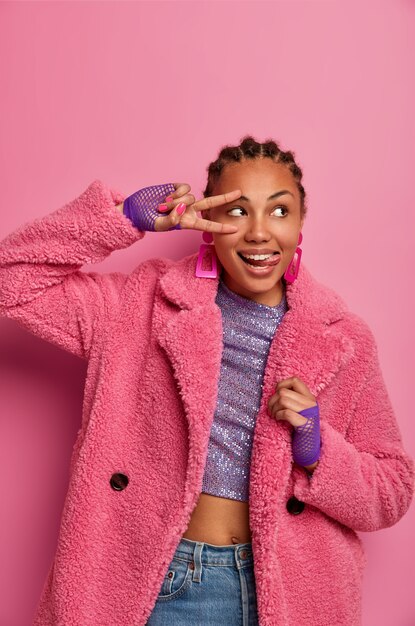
column 257, row 257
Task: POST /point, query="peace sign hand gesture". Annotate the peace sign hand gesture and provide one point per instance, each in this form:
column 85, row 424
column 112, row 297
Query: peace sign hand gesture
column 183, row 208
column 143, row 208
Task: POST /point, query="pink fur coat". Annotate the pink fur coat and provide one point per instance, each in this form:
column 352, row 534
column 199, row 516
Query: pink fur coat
column 153, row 340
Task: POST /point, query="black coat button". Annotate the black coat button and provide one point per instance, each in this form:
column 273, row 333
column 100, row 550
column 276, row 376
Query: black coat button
column 295, row 506
column 119, row 481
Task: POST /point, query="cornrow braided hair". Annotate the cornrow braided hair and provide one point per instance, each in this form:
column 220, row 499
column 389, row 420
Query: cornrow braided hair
column 249, row 148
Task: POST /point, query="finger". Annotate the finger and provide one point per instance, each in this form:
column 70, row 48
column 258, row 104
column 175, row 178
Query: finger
column 294, row 383
column 290, row 416
column 188, row 199
column 173, row 218
column 181, row 190
column 282, row 399
column 213, row 201
column 289, row 399
column 295, row 400
column 211, row 227
column 278, row 403
column 272, row 402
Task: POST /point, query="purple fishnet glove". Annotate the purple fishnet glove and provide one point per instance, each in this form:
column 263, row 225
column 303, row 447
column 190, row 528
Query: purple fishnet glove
column 306, row 440
column 141, row 207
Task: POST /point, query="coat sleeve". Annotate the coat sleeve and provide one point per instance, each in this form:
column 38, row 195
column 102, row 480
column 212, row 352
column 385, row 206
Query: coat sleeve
column 365, row 478
column 41, row 285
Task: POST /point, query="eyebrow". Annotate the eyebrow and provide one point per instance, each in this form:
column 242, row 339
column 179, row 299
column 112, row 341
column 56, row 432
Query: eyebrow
column 274, row 195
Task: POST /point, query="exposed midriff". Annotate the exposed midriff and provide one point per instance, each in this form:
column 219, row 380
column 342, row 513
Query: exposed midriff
column 220, row 521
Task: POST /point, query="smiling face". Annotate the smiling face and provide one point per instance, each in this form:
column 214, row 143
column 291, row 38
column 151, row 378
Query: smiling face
column 265, row 225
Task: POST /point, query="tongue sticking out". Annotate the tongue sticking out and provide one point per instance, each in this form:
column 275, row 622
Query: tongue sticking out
column 265, row 262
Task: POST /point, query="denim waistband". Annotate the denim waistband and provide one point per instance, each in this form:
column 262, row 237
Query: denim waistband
column 239, row 554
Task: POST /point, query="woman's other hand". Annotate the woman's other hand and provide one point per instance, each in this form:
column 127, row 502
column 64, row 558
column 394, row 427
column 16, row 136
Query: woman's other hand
column 290, row 398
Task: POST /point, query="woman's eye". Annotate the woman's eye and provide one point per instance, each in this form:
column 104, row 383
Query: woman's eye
column 236, row 208
column 284, row 208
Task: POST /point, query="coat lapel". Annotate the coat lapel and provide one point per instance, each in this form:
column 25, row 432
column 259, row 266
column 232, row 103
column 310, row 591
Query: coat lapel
column 308, row 345
column 192, row 341
column 188, row 327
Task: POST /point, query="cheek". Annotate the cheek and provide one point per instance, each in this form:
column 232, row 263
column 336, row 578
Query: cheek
column 216, row 216
column 225, row 245
column 288, row 240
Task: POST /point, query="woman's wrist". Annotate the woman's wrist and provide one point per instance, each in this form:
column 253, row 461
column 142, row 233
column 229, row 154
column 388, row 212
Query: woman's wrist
column 306, row 438
column 310, row 468
column 142, row 207
column 120, row 207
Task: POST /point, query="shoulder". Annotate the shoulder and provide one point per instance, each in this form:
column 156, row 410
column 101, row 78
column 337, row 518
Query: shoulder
column 358, row 330
column 315, row 298
column 334, row 309
column 352, row 330
column 155, row 266
column 147, row 274
column 357, row 339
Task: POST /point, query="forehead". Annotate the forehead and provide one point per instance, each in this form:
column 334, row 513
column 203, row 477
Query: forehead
column 257, row 175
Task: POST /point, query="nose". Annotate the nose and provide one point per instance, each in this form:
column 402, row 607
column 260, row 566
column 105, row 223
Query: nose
column 257, row 230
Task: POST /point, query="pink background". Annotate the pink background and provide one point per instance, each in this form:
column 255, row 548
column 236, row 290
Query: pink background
column 139, row 93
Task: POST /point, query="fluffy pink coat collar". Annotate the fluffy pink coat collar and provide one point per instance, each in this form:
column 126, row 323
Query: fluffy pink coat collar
column 184, row 288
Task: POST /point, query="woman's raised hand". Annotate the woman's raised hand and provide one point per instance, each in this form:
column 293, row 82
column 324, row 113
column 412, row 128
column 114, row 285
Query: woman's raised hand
column 185, row 202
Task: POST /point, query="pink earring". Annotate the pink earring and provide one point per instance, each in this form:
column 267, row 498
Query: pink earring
column 291, row 272
column 207, row 254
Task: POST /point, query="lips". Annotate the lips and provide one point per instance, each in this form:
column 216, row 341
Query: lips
column 248, row 251
column 272, row 260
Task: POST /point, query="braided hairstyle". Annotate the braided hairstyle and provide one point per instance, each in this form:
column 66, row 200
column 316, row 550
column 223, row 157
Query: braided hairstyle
column 249, row 148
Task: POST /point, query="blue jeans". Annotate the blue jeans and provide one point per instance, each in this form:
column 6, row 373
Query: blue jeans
column 207, row 584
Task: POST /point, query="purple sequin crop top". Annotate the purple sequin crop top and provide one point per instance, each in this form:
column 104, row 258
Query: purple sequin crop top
column 248, row 328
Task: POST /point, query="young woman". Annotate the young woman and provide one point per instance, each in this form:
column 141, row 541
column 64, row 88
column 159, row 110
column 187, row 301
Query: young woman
column 236, row 428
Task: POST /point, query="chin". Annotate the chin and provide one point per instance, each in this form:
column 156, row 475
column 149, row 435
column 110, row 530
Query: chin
column 263, row 286
column 256, row 285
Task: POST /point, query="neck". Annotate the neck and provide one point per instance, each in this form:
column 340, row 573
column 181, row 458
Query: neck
column 269, row 298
